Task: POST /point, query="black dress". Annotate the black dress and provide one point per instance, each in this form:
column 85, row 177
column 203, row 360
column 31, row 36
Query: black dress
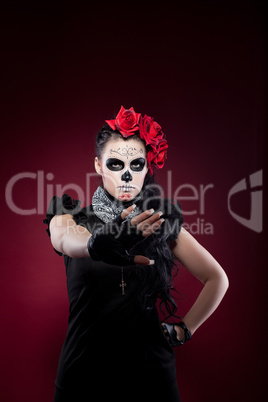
column 113, row 348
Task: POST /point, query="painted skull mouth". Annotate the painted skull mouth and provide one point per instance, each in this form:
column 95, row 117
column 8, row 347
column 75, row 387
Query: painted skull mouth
column 126, row 188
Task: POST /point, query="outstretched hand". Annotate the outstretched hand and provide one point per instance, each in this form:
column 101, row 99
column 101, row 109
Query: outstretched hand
column 146, row 223
column 133, row 231
column 112, row 241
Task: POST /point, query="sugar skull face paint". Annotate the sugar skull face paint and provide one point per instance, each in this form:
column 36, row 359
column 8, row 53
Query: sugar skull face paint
column 123, row 167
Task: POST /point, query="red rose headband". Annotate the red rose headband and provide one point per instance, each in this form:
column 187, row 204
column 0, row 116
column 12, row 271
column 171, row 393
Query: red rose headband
column 128, row 123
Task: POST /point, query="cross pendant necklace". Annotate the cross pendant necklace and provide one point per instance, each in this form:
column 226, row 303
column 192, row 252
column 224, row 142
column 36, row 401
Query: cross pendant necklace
column 123, row 283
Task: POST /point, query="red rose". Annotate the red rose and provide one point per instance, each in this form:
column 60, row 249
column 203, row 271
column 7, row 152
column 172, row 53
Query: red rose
column 126, row 122
column 150, row 131
column 156, row 157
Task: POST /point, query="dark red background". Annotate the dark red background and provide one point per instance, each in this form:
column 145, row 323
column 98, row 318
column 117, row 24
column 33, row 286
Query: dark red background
column 199, row 69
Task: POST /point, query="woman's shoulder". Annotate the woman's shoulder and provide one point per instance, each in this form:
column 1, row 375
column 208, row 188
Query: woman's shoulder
column 66, row 205
column 62, row 205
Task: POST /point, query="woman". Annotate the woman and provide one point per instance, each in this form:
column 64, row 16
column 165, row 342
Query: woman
column 120, row 255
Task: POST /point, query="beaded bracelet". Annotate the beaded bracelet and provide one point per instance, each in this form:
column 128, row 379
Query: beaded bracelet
column 171, row 333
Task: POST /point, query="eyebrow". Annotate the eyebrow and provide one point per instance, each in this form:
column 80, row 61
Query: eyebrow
column 136, row 159
column 114, row 160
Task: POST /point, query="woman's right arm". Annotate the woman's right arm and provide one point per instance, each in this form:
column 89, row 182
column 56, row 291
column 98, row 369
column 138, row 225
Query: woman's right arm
column 69, row 238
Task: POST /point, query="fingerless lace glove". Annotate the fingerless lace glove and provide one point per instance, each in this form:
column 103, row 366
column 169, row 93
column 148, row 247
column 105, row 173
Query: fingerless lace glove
column 171, row 334
column 113, row 240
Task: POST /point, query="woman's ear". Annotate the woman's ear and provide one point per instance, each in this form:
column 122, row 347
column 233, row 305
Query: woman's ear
column 97, row 165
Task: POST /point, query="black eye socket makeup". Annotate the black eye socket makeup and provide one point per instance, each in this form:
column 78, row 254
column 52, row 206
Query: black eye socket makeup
column 137, row 164
column 114, row 164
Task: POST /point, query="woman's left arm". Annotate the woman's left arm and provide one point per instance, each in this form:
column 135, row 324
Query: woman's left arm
column 203, row 266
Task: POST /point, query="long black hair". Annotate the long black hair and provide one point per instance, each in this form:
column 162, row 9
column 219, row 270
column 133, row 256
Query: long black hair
column 156, row 281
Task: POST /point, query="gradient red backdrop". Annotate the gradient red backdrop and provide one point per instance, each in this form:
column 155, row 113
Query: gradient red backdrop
column 199, row 69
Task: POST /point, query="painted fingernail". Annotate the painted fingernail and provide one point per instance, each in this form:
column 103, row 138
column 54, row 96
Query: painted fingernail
column 151, row 211
column 151, row 262
column 162, row 220
column 134, row 205
column 160, row 213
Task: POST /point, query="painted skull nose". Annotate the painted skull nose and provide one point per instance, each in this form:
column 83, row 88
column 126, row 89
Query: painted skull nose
column 126, row 176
